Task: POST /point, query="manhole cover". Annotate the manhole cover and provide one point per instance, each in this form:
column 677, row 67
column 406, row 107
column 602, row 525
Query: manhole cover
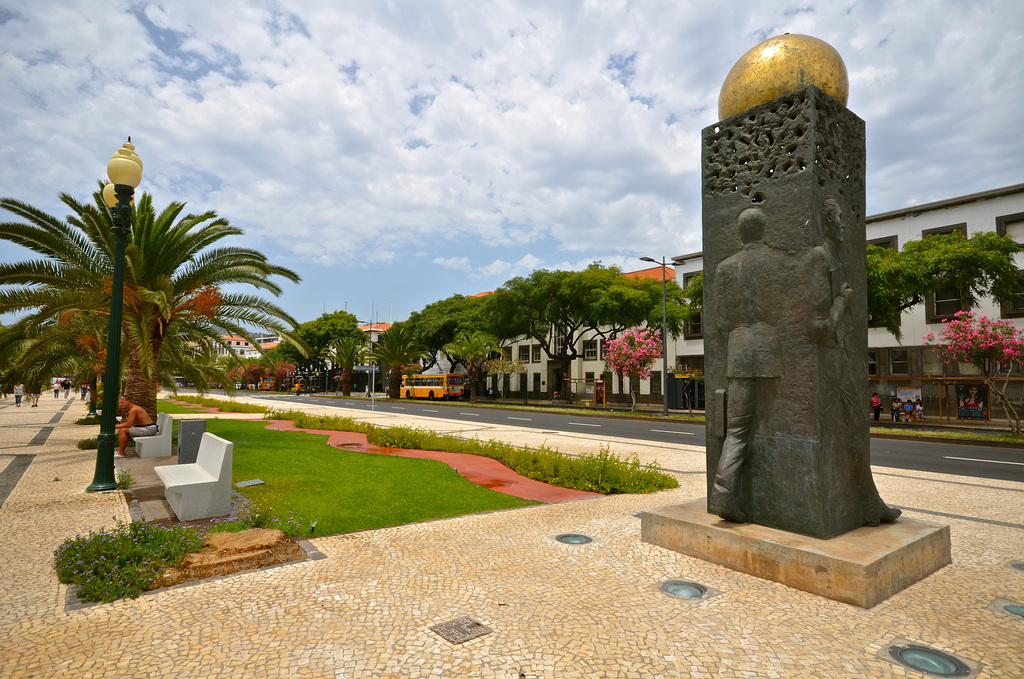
column 928, row 660
column 573, row 539
column 460, row 630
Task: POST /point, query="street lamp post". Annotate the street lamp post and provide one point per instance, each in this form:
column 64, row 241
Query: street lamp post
column 125, row 173
column 664, row 336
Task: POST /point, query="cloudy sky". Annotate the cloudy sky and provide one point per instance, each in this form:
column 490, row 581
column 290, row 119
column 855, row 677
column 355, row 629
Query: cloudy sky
column 398, row 152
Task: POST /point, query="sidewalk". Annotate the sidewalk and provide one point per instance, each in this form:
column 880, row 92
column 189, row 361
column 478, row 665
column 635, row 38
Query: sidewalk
column 553, row 610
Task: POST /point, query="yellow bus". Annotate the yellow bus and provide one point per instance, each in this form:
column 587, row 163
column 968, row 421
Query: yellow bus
column 266, row 384
column 445, row 387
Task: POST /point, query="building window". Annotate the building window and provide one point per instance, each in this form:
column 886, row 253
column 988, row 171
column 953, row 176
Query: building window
column 694, row 328
column 656, row 383
column 899, row 362
column 932, row 363
column 1015, row 307
column 524, row 354
column 603, row 345
column 944, row 304
column 590, row 350
column 536, row 353
column 873, row 363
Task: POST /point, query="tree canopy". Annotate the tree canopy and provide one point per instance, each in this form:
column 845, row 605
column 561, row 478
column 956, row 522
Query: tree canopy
column 555, row 308
column 439, row 323
column 176, row 274
column 319, row 336
column 979, row 266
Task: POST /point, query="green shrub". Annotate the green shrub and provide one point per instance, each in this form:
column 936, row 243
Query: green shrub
column 258, row 515
column 88, row 444
column 125, row 480
column 123, row 562
column 88, row 420
column 599, row 472
column 224, row 406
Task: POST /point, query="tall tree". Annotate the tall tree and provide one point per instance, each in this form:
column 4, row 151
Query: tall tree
column 176, row 275
column 318, row 337
column 556, row 308
column 397, row 347
column 347, row 353
column 473, row 349
column 440, row 322
column 979, row 266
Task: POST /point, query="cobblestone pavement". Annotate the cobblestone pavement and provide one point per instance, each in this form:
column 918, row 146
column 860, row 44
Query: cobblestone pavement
column 554, row 610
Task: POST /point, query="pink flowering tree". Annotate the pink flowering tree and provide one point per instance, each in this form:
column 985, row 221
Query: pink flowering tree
column 633, row 354
column 994, row 346
column 502, row 368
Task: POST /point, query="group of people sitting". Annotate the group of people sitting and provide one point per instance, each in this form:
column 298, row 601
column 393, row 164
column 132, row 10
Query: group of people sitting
column 906, row 411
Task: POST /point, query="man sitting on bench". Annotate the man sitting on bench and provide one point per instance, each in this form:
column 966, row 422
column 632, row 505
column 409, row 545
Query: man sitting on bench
column 137, row 423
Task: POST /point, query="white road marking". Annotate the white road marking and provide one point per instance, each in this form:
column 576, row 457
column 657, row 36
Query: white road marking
column 583, row 424
column 429, row 410
column 470, row 414
column 971, row 459
column 523, row 419
column 669, row 431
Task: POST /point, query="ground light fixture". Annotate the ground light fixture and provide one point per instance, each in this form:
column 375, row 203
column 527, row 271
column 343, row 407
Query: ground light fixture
column 928, row 660
column 683, row 589
column 125, row 173
column 664, row 335
column 573, row 539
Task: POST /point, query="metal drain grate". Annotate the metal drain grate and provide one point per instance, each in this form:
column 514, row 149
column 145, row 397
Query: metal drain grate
column 460, row 630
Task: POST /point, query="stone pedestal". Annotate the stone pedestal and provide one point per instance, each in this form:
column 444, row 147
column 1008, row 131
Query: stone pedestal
column 862, row 567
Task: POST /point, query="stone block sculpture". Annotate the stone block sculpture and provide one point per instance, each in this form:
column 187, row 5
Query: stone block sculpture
column 786, row 309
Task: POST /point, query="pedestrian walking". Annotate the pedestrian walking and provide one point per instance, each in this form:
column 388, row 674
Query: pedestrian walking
column 37, row 391
column 19, row 393
column 876, row 405
column 85, row 389
column 56, row 389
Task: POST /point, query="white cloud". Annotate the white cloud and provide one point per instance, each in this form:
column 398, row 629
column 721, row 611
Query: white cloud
column 422, row 134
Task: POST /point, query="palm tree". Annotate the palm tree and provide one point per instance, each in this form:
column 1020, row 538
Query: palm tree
column 397, row 347
column 347, row 353
column 473, row 348
column 175, row 304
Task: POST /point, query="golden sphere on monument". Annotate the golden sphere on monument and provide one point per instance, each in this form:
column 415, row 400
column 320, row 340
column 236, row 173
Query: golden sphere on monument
column 781, row 65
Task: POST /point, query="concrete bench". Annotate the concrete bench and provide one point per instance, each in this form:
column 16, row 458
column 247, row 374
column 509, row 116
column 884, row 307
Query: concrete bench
column 201, row 490
column 159, row 445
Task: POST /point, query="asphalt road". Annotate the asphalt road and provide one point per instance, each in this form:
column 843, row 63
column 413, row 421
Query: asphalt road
column 984, row 462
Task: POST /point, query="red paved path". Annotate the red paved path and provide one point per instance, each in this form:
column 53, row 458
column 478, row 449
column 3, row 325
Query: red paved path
column 482, row 471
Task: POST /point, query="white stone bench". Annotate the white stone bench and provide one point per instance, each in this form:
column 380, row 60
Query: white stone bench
column 201, row 490
column 159, row 445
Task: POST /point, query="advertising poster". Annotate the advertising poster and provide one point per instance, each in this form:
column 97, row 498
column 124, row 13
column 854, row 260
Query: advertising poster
column 972, row 401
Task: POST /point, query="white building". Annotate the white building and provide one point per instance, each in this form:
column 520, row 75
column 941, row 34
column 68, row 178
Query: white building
column 896, row 366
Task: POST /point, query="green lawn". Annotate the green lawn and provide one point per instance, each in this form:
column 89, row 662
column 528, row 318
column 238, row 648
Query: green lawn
column 345, row 491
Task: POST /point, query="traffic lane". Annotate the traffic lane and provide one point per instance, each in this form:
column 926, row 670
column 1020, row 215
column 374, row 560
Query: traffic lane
column 1005, row 464
column 986, row 462
column 660, row 431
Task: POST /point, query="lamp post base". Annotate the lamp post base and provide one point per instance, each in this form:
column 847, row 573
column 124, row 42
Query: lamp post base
column 103, row 477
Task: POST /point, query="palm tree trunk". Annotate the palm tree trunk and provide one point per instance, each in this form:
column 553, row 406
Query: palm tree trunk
column 395, row 382
column 139, row 389
column 346, row 381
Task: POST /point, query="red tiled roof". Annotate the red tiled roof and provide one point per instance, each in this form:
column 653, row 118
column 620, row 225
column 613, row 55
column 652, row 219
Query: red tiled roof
column 482, row 294
column 653, row 272
column 375, row 326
